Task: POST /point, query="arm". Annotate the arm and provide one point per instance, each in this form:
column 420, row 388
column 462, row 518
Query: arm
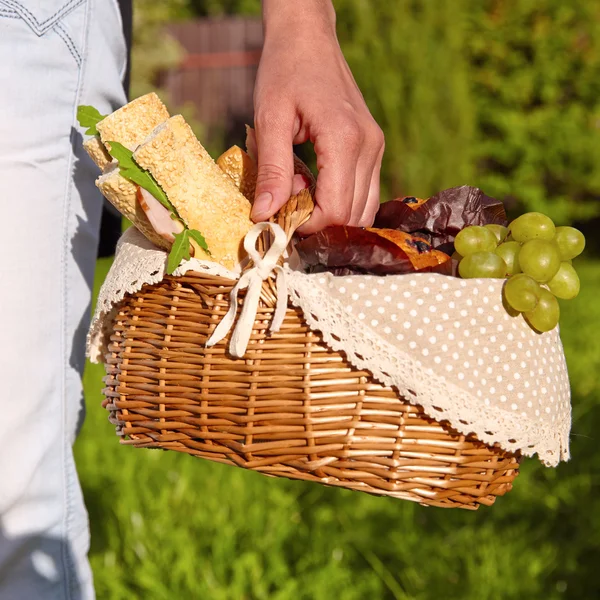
column 305, row 91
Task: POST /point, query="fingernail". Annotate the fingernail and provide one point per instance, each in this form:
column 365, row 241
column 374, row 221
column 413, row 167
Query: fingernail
column 262, row 205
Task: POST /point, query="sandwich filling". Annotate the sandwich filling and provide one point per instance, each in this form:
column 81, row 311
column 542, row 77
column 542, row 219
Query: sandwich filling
column 160, row 218
column 161, row 213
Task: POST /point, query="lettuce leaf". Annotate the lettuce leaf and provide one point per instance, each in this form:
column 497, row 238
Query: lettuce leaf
column 132, row 171
column 179, row 251
column 199, row 239
column 89, row 117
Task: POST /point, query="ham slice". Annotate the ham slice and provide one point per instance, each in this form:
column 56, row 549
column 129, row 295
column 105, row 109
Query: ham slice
column 159, row 216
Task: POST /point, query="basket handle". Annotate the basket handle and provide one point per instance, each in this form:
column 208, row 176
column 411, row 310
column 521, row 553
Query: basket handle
column 257, row 279
column 295, row 212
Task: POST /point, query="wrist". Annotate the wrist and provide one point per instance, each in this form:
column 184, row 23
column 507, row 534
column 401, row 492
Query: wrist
column 298, row 16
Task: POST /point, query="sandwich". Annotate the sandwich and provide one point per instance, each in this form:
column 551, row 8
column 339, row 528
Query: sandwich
column 241, row 169
column 160, row 177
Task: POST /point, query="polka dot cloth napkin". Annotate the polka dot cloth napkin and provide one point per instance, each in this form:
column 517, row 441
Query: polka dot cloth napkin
column 445, row 343
column 451, row 341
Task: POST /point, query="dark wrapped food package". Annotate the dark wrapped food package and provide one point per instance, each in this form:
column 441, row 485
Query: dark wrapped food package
column 442, row 216
column 353, row 250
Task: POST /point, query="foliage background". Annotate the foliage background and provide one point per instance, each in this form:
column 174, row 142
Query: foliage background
column 503, row 94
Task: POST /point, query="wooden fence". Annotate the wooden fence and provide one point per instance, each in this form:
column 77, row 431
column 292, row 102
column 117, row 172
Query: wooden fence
column 218, row 72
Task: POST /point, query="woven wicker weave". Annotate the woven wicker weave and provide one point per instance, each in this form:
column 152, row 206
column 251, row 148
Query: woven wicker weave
column 292, row 407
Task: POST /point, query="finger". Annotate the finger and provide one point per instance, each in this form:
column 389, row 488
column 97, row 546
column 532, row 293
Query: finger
column 336, row 163
column 299, row 183
column 373, row 197
column 274, row 135
column 369, row 161
column 364, row 172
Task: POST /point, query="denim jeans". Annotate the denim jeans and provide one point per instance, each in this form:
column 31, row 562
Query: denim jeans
column 54, row 55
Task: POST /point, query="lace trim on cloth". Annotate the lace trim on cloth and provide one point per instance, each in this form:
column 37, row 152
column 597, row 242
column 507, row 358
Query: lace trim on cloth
column 444, row 343
column 137, row 262
column 441, row 400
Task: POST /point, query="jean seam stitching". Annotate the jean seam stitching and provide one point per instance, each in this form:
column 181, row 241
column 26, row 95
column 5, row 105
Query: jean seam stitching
column 66, row 38
column 43, row 26
column 68, row 566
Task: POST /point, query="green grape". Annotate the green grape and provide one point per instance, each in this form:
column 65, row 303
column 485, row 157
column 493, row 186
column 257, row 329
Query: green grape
column 482, row 264
column 532, row 226
column 539, row 259
column 544, row 317
column 522, row 292
column 570, row 242
column 474, row 239
column 498, row 230
column 565, row 284
column 457, row 257
column 508, row 308
column 509, row 253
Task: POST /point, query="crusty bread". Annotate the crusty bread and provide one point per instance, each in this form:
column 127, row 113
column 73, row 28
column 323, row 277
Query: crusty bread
column 121, row 193
column 95, row 148
column 205, row 197
column 131, row 124
column 241, row 169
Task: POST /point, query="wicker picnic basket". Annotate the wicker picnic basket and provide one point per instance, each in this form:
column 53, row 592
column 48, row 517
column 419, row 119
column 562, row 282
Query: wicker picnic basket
column 291, row 407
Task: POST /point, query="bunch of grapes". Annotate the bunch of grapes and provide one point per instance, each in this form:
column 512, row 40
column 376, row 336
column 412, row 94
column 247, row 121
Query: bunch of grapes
column 534, row 254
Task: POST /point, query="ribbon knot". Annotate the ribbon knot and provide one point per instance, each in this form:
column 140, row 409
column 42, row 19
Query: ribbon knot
column 253, row 279
column 263, row 270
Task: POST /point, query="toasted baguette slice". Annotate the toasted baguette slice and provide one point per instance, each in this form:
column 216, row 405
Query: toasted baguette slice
column 95, row 148
column 121, row 193
column 129, row 126
column 133, row 123
column 241, row 169
column 205, row 197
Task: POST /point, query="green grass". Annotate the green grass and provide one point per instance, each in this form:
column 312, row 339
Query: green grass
column 169, row 526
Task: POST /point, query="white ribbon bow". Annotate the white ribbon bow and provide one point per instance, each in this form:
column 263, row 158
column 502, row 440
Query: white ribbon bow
column 253, row 279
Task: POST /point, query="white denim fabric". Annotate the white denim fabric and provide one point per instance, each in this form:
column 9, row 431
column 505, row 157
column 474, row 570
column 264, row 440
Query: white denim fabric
column 54, row 55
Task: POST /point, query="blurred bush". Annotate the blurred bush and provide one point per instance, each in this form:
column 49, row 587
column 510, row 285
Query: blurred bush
column 500, row 93
column 503, row 94
column 535, row 81
column 154, row 51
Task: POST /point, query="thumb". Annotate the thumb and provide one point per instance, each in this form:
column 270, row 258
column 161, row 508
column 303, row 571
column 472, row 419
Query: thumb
column 275, row 168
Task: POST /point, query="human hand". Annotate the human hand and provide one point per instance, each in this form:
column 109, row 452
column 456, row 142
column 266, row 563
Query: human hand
column 305, row 91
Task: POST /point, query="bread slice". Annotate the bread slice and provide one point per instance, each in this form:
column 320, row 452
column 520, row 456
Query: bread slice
column 121, row 193
column 95, row 148
column 205, row 197
column 129, row 126
column 241, row 169
column 133, row 123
